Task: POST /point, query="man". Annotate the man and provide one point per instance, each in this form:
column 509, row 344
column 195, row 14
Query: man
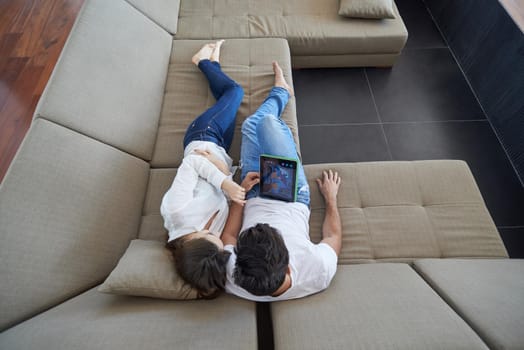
column 273, row 258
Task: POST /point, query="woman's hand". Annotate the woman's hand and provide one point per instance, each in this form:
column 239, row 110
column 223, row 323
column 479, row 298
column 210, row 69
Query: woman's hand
column 220, row 164
column 251, row 179
column 329, row 185
column 236, row 192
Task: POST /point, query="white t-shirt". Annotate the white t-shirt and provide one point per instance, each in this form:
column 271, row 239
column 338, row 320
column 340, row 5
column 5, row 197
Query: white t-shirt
column 195, row 194
column 312, row 265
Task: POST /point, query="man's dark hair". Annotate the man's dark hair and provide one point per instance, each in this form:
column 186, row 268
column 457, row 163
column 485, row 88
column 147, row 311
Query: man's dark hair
column 262, row 260
column 201, row 264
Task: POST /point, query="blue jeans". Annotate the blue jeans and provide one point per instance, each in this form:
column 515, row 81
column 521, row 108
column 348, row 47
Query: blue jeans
column 217, row 124
column 264, row 132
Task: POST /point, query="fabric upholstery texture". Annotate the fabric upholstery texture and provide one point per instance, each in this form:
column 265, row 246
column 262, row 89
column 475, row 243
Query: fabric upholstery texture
column 68, row 207
column 147, row 269
column 488, row 294
column 247, row 61
column 390, row 211
column 101, row 321
column 312, row 27
column 337, row 61
column 401, row 211
column 152, row 226
column 104, row 85
column 372, row 306
column 376, row 9
column 162, row 12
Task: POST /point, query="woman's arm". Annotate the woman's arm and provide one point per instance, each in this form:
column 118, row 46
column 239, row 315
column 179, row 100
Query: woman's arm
column 212, row 174
column 180, row 193
column 220, row 164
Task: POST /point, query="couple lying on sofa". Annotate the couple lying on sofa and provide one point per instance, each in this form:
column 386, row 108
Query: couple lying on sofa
column 255, row 248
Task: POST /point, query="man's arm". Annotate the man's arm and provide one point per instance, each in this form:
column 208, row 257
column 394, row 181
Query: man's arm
column 332, row 226
column 236, row 212
column 233, row 224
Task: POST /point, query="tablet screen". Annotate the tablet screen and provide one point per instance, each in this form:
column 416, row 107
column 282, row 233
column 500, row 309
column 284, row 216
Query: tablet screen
column 278, row 177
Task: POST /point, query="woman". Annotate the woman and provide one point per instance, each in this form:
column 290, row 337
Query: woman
column 194, row 208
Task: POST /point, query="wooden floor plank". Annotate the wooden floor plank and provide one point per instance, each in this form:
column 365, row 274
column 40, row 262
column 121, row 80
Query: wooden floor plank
column 32, row 35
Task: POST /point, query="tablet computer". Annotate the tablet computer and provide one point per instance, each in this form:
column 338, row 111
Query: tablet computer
column 278, row 177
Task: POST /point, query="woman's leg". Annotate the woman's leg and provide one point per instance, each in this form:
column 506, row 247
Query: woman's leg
column 218, row 81
column 217, row 124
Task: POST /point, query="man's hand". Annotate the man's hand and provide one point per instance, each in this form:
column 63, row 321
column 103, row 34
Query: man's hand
column 220, row 164
column 329, row 185
column 236, row 192
column 251, row 179
column 332, row 226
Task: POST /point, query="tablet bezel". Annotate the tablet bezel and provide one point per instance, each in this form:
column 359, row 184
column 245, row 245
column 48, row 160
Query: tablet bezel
column 264, row 157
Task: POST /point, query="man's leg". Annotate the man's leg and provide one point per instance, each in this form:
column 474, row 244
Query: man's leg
column 250, row 149
column 275, row 138
column 265, row 132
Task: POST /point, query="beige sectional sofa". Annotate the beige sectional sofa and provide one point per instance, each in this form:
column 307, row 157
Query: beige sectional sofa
column 105, row 144
column 317, row 35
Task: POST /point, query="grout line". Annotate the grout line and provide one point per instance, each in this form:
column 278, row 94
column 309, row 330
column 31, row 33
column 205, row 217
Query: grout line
column 378, row 115
column 399, row 123
column 424, row 48
column 521, row 180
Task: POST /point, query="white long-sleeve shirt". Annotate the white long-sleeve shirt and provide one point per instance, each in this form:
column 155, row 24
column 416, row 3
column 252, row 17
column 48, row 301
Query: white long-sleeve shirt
column 195, row 194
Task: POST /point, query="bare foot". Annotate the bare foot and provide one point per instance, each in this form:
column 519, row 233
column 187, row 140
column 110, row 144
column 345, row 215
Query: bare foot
column 204, row 53
column 215, row 55
column 280, row 81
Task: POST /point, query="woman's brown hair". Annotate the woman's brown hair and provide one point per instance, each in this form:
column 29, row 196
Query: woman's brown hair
column 201, row 264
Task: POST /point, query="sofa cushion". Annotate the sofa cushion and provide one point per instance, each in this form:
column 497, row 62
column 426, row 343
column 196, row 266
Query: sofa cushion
column 162, row 12
column 109, row 80
column 187, row 94
column 488, row 294
column 390, row 211
column 376, row 9
column 147, row 269
column 401, row 211
column 100, row 321
column 312, row 27
column 152, row 225
column 372, row 306
column 69, row 206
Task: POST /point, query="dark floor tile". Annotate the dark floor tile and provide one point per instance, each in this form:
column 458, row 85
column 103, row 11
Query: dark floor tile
column 343, row 143
column 422, row 31
column 513, row 238
column 474, row 142
column 326, row 96
column 424, row 85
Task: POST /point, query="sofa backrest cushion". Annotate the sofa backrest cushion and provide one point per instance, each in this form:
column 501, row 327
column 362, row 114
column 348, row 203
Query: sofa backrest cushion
column 109, row 81
column 401, row 211
column 69, row 205
column 162, row 12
